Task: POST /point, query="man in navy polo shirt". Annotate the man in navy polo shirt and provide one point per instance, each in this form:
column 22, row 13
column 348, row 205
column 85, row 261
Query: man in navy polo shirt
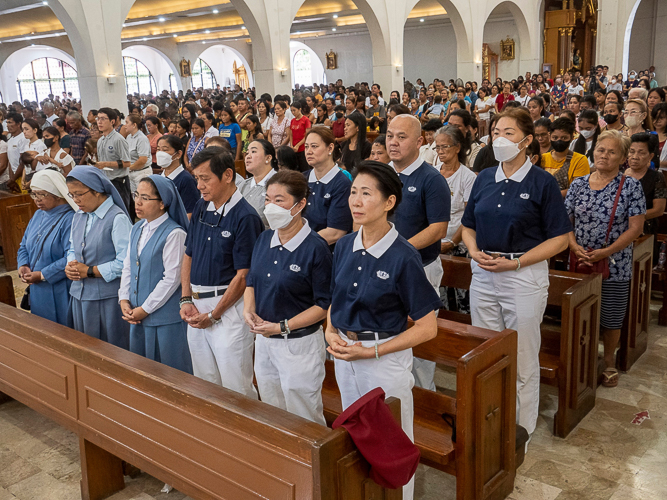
column 423, row 214
column 218, row 249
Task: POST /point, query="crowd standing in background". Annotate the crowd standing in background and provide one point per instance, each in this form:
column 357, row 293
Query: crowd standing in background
column 147, row 237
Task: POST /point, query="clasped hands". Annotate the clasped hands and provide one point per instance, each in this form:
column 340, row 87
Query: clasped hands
column 132, row 316
column 28, row 276
column 260, row 327
column 493, row 264
column 340, row 349
column 589, row 257
column 75, row 270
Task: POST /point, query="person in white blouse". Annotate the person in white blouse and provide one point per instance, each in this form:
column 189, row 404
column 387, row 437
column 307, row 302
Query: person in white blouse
column 54, row 156
column 31, row 148
column 452, row 147
column 150, row 286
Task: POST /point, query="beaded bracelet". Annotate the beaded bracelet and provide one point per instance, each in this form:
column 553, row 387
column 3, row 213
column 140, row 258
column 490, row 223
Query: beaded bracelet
column 377, row 355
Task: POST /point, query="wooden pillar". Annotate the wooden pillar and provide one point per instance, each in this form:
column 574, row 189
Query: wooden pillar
column 101, row 472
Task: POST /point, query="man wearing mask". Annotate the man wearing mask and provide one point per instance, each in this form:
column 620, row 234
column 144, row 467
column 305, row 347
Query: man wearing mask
column 560, row 162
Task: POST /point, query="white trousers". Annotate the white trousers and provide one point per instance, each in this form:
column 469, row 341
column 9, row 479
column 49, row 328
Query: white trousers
column 393, row 373
column 222, row 353
column 515, row 300
column 137, row 175
column 422, row 369
column 290, row 373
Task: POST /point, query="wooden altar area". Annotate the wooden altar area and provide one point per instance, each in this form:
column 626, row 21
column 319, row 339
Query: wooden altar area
column 16, row 211
column 569, row 26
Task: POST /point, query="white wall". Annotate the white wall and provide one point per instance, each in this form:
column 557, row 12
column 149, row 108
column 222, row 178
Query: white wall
column 643, row 37
column 659, row 59
column 159, row 66
column 221, row 60
column 494, row 32
column 16, row 61
column 429, row 53
column 355, row 57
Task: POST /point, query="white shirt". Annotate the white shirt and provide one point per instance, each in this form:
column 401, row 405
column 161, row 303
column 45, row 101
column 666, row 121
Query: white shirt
column 479, row 104
column 211, row 132
column 368, row 101
column 38, row 146
column 5, row 175
column 172, row 257
column 14, row 145
column 575, row 90
column 61, row 157
column 460, row 185
column 51, row 119
column 523, row 100
column 427, row 153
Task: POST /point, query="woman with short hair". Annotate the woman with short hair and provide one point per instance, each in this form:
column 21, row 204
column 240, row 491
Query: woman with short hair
column 261, row 164
column 608, row 211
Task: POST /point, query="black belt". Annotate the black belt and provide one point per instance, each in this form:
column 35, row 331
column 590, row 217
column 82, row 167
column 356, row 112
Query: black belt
column 512, row 255
column 297, row 334
column 208, row 295
column 354, row 336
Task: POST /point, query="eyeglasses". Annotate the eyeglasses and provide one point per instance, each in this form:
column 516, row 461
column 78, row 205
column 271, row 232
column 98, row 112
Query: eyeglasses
column 632, row 113
column 202, row 221
column 445, row 147
column 77, row 196
column 143, row 197
column 38, row 196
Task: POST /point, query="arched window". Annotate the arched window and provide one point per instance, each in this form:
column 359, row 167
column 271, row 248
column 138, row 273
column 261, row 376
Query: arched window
column 45, row 76
column 302, row 68
column 202, row 75
column 138, row 79
column 173, row 86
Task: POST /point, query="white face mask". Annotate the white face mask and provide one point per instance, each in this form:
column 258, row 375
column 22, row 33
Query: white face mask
column 163, row 159
column 505, row 150
column 278, row 217
column 634, row 121
column 587, row 133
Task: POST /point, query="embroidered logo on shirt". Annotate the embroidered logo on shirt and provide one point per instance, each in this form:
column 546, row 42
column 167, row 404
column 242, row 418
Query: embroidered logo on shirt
column 326, row 196
column 412, row 189
column 383, row 275
column 294, row 268
column 226, row 234
column 524, row 196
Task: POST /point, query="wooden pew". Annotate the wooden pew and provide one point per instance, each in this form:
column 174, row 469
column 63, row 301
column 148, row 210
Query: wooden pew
column 16, row 210
column 634, row 333
column 206, row 441
column 568, row 355
column 483, row 455
column 239, row 165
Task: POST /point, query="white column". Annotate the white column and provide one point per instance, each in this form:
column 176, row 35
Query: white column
column 94, row 29
column 613, row 37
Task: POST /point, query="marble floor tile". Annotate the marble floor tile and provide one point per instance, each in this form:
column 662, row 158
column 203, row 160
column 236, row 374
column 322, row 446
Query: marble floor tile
column 526, row 488
column 6, row 495
column 13, row 468
column 42, row 485
column 573, row 482
column 627, row 493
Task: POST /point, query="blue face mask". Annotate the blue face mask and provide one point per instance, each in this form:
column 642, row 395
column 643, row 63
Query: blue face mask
column 337, row 102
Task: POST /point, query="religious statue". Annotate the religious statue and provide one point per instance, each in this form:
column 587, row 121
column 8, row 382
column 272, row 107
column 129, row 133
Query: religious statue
column 576, row 60
column 332, row 60
column 185, row 68
column 507, row 49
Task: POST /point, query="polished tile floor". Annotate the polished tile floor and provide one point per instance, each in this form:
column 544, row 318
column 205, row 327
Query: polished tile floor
column 605, row 458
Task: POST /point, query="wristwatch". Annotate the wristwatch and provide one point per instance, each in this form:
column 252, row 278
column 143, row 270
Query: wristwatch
column 90, row 273
column 213, row 320
column 284, row 328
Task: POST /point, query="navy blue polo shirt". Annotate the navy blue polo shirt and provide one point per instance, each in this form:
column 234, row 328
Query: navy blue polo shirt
column 517, row 214
column 288, row 279
column 426, row 200
column 220, row 249
column 376, row 289
column 328, row 201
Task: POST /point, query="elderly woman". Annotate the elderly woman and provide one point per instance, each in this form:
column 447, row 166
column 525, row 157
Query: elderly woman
column 42, row 255
column 150, row 287
column 261, row 163
column 608, row 211
column 98, row 243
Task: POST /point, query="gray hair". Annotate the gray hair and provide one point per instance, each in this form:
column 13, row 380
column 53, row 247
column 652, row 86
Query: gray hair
column 153, row 107
column 75, row 115
column 457, row 138
column 642, row 94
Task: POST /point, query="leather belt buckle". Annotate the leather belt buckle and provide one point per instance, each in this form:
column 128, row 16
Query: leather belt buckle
column 195, row 295
column 352, row 336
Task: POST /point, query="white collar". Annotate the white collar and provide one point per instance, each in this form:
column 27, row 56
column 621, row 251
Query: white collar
column 380, row 247
column 326, row 179
column 153, row 225
column 262, row 183
column 296, row 240
column 411, row 168
column 517, row 176
column 175, row 173
column 235, row 198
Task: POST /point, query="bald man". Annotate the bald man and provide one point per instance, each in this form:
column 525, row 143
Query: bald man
column 423, row 214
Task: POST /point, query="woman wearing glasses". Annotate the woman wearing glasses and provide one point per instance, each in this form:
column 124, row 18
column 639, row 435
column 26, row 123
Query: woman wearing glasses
column 42, row 255
column 150, row 286
column 98, row 243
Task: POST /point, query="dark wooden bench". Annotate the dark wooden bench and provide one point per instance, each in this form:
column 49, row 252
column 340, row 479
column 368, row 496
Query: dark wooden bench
column 206, row 441
column 239, row 165
column 568, row 355
column 484, row 407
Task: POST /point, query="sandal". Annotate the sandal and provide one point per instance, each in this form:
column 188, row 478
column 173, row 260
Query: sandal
column 610, row 377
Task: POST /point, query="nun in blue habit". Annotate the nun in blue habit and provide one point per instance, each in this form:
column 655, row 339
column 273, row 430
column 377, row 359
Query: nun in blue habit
column 98, row 244
column 150, row 288
column 42, row 255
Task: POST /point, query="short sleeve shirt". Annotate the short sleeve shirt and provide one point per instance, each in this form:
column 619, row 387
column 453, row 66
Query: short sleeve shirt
column 328, row 201
column 113, row 147
column 426, row 200
column 517, row 214
column 139, row 145
column 376, row 289
column 229, row 132
column 590, row 210
column 299, row 128
column 288, row 279
column 460, row 185
column 579, row 165
column 220, row 242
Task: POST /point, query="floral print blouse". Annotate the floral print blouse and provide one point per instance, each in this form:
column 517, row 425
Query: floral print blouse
column 590, row 210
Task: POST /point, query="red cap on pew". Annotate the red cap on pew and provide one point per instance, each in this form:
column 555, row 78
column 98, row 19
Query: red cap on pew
column 379, row 438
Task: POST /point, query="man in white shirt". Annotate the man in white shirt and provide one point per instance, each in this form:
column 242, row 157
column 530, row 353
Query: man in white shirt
column 51, row 117
column 211, row 131
column 15, row 144
column 375, row 90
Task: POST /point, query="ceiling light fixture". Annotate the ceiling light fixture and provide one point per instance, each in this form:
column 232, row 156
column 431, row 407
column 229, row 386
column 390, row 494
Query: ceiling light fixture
column 215, row 11
column 243, row 27
column 207, row 31
column 333, row 29
column 161, row 19
column 335, row 16
column 421, row 20
column 174, row 35
column 45, row 2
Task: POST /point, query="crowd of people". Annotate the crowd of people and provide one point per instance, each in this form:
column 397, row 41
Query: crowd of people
column 147, row 237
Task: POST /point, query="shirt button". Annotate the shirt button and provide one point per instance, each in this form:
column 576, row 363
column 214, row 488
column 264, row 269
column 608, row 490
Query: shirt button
column 363, row 253
column 498, row 206
column 209, row 238
column 506, row 181
column 359, row 268
column 503, row 194
column 355, row 284
column 275, row 261
column 309, row 203
column 280, row 248
column 268, row 275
